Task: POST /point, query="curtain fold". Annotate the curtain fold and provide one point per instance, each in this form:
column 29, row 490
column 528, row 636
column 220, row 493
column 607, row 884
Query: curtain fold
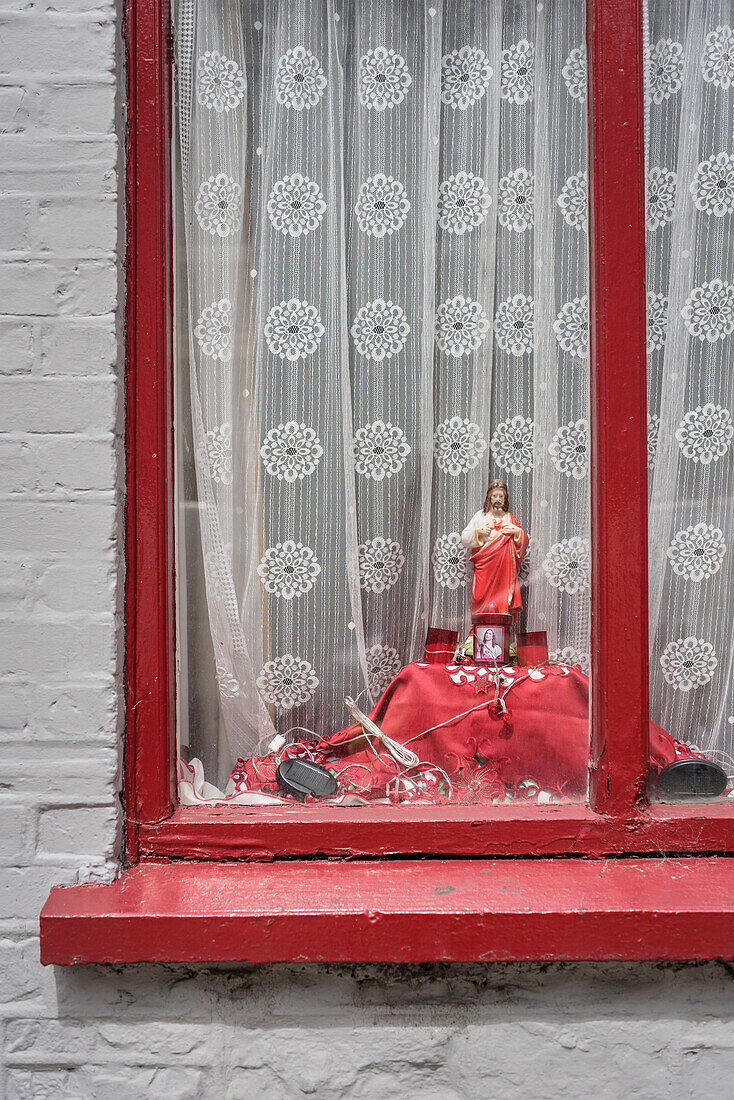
column 690, row 202
column 385, row 242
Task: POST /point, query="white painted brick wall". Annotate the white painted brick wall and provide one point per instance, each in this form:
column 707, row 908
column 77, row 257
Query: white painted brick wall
column 367, row 1032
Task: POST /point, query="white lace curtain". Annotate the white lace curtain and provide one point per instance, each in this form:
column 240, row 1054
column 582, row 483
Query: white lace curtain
column 690, row 278
column 383, row 300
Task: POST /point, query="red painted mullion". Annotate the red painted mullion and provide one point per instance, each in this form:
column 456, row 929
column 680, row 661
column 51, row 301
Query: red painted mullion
column 619, row 683
column 148, row 789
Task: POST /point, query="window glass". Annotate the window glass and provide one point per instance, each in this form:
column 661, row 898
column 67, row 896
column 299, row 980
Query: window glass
column 690, row 300
column 382, row 376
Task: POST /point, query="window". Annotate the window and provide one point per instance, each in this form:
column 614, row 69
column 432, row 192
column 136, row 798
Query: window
column 384, row 265
column 623, row 908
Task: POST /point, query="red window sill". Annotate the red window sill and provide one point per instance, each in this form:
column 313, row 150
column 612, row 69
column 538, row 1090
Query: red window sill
column 370, row 832
column 403, row 911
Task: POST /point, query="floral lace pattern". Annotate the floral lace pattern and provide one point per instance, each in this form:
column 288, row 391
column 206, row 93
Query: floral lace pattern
column 218, row 206
column 288, row 569
column 688, row 663
column 697, row 551
column 712, row 187
column 380, row 450
column 569, row 449
column 291, row 451
column 660, row 190
column 229, row 685
column 296, row 206
column 709, row 311
column 718, row 57
column 653, row 435
column 217, row 567
column 512, row 445
column 573, row 201
column 220, row 83
column 657, row 320
column 287, row 681
column 570, row 656
column 458, row 445
column 213, row 331
column 380, row 330
column 514, row 325
column 574, row 73
column 461, row 326
column 380, row 564
column 567, row 565
column 382, row 206
column 705, row 433
column 571, row 327
column 665, row 69
column 293, row 330
column 450, row 561
column 383, row 79
column 465, row 77
column 383, row 665
column 219, row 453
column 463, row 202
column 517, row 201
column 518, row 72
column 299, row 79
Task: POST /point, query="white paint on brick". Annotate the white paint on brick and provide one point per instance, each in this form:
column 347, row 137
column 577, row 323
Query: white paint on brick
column 373, row 1033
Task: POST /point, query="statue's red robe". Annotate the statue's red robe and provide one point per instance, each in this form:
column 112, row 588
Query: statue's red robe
column 496, row 587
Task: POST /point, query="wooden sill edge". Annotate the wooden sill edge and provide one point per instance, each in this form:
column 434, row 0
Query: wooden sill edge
column 409, row 911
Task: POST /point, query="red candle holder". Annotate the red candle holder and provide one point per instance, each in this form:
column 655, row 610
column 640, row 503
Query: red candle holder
column 532, row 648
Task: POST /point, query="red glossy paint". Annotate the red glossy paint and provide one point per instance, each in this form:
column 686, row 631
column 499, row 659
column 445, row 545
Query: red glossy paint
column 149, row 756
column 266, row 833
column 619, row 680
column 616, row 821
column 410, row 911
column 403, row 910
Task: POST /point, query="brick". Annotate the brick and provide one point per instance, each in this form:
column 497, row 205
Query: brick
column 70, row 345
column 46, row 43
column 16, row 341
column 15, row 223
column 85, row 108
column 38, row 287
column 85, row 226
column 23, row 890
column 21, row 975
column 57, row 165
column 56, row 650
column 78, row 830
column 63, row 464
column 78, row 586
column 15, row 101
column 16, row 834
column 70, row 711
column 32, row 771
column 58, row 404
column 28, row 526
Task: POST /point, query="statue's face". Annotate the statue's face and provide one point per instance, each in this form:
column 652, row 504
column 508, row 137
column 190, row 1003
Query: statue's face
column 497, row 500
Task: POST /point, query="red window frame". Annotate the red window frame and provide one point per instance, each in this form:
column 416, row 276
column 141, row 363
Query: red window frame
column 617, row 818
column 174, row 848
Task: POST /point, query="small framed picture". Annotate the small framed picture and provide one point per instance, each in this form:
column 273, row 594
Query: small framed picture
column 492, row 639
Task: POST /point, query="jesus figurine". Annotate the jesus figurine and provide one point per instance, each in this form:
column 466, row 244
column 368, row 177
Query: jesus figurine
column 498, row 545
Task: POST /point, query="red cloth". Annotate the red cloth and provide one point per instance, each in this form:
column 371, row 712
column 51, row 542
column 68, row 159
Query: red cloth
column 537, row 747
column 495, row 586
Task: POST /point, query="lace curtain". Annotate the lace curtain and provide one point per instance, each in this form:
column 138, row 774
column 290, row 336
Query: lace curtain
column 382, row 302
column 690, row 278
